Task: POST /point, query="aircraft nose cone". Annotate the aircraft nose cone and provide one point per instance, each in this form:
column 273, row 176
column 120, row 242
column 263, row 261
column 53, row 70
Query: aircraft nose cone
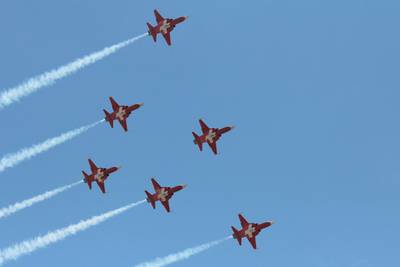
column 141, row 104
column 233, row 127
column 271, row 222
column 184, row 185
column 186, row 17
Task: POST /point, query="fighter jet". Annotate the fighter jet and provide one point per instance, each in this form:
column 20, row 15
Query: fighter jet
column 164, row 26
column 162, row 194
column 120, row 113
column 249, row 230
column 210, row 135
column 98, row 174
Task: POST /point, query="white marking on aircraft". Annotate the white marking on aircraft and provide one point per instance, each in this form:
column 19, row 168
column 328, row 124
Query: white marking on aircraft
column 162, row 195
column 120, row 114
column 211, row 136
column 250, row 231
column 164, row 27
column 99, row 175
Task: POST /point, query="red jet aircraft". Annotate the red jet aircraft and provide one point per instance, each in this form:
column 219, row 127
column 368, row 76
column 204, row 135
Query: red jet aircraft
column 162, row 194
column 249, row 230
column 210, row 135
column 98, row 174
column 120, row 113
column 164, row 26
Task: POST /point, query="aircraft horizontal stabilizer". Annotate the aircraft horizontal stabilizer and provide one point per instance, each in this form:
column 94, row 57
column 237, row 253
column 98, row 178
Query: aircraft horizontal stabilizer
column 150, row 199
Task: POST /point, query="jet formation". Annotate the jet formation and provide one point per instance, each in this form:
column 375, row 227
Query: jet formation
column 208, row 135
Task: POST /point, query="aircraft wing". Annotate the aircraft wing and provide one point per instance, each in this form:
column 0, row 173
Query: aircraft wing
column 166, row 205
column 253, row 242
column 213, row 146
column 204, row 127
column 155, row 184
column 93, row 166
column 124, row 125
column 167, row 37
column 101, row 186
column 243, row 221
column 159, row 18
column 114, row 104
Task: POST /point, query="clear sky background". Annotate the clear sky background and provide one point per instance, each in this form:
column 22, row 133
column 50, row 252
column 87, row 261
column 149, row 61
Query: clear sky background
column 312, row 86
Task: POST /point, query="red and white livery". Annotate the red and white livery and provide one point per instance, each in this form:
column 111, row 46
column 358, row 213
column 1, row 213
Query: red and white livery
column 164, row 26
column 98, row 175
column 120, row 113
column 209, row 136
column 249, row 231
column 162, row 194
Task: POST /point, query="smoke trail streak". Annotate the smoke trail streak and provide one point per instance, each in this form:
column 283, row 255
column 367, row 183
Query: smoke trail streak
column 12, row 95
column 31, row 245
column 5, row 212
column 10, row 160
column 183, row 255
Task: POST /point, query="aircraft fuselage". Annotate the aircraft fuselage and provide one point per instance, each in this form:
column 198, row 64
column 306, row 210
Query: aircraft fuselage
column 121, row 114
column 163, row 194
column 99, row 176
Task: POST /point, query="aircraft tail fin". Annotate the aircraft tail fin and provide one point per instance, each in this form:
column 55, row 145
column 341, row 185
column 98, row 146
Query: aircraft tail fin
column 150, row 199
column 197, row 141
column 108, row 118
column 236, row 235
column 152, row 31
column 87, row 180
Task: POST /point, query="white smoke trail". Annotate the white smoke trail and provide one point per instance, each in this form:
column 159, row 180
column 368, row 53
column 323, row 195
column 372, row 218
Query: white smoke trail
column 31, row 245
column 5, row 212
column 10, row 160
column 183, row 255
column 11, row 95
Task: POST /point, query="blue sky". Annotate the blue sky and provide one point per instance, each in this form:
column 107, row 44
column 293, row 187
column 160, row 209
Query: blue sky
column 312, row 87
